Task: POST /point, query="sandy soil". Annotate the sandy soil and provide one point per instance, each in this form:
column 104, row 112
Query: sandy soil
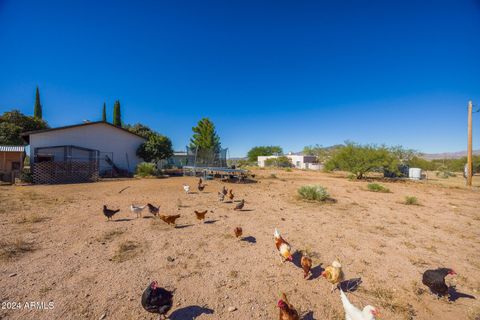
column 57, row 246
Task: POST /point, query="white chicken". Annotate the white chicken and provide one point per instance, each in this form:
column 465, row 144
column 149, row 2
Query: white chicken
column 186, row 188
column 137, row 209
column 353, row 313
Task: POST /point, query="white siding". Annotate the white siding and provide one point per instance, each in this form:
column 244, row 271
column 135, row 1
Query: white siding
column 102, row 137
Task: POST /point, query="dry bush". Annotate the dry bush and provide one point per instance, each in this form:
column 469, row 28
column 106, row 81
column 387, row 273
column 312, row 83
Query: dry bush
column 375, row 187
column 409, row 200
column 31, row 218
column 109, row 235
column 388, row 300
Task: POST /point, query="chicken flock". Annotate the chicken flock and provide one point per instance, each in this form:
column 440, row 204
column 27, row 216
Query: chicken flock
column 156, row 299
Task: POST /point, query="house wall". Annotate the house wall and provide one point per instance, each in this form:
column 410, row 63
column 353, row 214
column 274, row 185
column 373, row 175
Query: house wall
column 6, row 159
column 299, row 161
column 102, row 137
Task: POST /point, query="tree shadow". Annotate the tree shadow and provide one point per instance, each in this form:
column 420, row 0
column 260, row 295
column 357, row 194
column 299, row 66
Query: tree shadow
column 183, row 226
column 148, row 217
column 249, row 239
column 245, row 210
column 454, row 295
column 189, row 313
column 350, row 285
column 210, row 221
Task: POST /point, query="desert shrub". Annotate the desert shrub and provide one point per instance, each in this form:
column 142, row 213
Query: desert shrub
column 288, row 170
column 361, row 159
column 409, row 200
column 375, row 187
column 313, row 193
column 444, row 173
column 273, row 176
column 281, row 162
column 145, row 169
column 255, row 152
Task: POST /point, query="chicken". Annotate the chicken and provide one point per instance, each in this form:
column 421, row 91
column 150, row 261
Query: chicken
column 153, row 210
column 238, row 232
column 230, row 194
column 200, row 181
column 137, row 209
column 435, row 280
column 186, row 188
column 201, row 187
column 170, row 219
column 221, row 197
column 157, row 300
column 283, row 246
column 306, row 263
column 287, row 311
column 334, row 274
column 201, row 214
column 240, row 205
column 353, row 313
column 224, row 191
column 108, row 212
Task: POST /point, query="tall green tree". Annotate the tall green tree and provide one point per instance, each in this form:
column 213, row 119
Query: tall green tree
column 104, row 112
column 117, row 117
column 205, row 137
column 37, row 110
column 255, row 152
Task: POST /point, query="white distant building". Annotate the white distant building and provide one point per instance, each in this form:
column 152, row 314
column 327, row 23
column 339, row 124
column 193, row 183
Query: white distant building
column 299, row 161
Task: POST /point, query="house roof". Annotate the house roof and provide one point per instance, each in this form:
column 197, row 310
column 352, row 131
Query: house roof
column 12, row 149
column 26, row 135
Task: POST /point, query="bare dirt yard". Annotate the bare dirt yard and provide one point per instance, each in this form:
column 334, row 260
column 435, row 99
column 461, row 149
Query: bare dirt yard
column 56, row 246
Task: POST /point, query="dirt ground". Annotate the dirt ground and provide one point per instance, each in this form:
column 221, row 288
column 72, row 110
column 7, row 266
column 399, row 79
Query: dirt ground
column 56, row 246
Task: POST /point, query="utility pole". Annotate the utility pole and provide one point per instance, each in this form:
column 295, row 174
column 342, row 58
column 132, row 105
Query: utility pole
column 469, row 148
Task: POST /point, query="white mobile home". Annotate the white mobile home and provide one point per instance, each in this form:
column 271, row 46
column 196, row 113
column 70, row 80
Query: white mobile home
column 84, row 149
column 299, row 161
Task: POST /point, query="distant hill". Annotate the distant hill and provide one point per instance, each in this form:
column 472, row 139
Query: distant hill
column 448, row 155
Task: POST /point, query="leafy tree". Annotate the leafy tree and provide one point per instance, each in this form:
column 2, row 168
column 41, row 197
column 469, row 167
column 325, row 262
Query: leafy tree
column 37, row 110
column 205, row 137
column 140, row 129
column 255, row 152
column 322, row 153
column 418, row 162
column 117, row 117
column 10, row 134
column 14, row 123
column 361, row 159
column 156, row 148
column 104, row 112
column 281, row 162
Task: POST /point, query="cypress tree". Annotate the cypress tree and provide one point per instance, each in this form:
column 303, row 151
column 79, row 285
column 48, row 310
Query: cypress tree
column 117, row 117
column 104, row 113
column 37, row 110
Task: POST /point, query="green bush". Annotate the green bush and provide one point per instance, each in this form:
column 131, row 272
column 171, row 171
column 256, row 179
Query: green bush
column 145, row 169
column 444, row 173
column 362, row 159
column 313, row 193
column 288, row 170
column 411, row 200
column 26, row 175
column 281, row 162
column 375, row 187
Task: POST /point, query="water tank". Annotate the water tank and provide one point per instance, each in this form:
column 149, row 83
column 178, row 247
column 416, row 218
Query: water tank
column 415, row 173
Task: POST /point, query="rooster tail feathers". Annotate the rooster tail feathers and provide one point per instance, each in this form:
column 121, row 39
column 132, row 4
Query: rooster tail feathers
column 276, row 234
column 336, row 264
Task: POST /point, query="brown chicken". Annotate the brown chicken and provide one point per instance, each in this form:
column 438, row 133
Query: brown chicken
column 238, row 232
column 240, row 205
column 334, row 274
column 230, row 194
column 224, row 191
column 283, row 247
column 287, row 311
column 306, row 263
column 201, row 214
column 170, row 219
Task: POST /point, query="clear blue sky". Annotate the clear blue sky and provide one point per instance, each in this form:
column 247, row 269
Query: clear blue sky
column 289, row 73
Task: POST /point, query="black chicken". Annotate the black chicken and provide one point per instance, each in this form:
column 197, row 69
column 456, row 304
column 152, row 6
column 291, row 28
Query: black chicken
column 435, row 280
column 201, row 187
column 153, row 210
column 108, row 212
column 157, row 300
column 224, row 191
